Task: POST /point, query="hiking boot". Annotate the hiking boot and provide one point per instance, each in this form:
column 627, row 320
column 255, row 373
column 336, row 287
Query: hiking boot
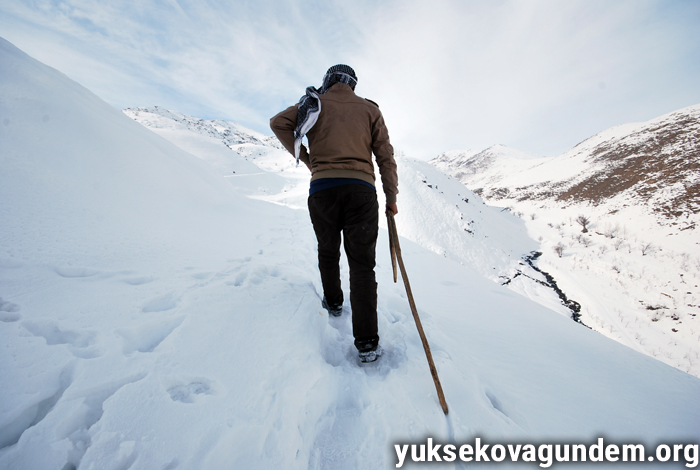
column 371, row 355
column 333, row 310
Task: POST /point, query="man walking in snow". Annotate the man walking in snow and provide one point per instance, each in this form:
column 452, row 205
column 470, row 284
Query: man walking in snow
column 343, row 130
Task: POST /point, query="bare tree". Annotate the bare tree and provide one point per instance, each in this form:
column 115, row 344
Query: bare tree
column 583, row 240
column 559, row 249
column 618, row 243
column 583, row 221
column 647, row 248
column 612, row 230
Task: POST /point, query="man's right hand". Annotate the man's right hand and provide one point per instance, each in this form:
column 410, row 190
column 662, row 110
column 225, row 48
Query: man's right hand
column 392, row 207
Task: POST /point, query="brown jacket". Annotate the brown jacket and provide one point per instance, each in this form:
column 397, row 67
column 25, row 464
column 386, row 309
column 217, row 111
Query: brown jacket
column 347, row 132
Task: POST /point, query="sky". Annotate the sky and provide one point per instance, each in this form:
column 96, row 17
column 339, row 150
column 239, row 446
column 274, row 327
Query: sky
column 535, row 75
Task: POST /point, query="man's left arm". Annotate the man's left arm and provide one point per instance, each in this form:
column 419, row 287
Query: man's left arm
column 384, row 152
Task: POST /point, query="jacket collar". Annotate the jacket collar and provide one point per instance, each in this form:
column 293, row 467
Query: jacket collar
column 340, row 87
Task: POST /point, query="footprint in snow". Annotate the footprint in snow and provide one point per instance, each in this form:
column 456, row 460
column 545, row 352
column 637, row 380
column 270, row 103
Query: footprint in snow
column 160, row 304
column 393, row 356
column 190, row 391
column 8, row 311
column 201, row 276
column 335, row 445
column 80, row 342
column 338, row 347
column 138, row 280
column 75, row 272
column 238, row 280
column 54, row 335
column 260, row 274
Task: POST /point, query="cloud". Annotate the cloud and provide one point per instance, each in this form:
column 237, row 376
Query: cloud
column 523, row 74
column 539, row 75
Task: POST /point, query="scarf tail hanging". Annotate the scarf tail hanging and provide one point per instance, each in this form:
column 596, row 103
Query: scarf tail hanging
column 309, row 109
column 310, row 103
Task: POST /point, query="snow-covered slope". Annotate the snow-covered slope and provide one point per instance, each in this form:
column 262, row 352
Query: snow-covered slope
column 655, row 164
column 636, row 271
column 442, row 215
column 488, row 167
column 155, row 315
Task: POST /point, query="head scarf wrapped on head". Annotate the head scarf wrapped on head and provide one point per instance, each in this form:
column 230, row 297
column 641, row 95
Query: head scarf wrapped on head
column 310, row 104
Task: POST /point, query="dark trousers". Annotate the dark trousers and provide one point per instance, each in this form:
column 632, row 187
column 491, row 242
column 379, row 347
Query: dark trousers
column 353, row 210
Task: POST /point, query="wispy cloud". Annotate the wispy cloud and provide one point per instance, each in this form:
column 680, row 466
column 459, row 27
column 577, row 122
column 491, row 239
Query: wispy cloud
column 539, row 75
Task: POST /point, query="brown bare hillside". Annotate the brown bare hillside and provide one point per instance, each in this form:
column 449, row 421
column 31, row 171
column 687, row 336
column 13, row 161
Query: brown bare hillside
column 654, row 164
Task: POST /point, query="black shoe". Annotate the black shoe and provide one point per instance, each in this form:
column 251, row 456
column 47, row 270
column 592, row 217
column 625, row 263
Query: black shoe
column 371, row 355
column 334, row 311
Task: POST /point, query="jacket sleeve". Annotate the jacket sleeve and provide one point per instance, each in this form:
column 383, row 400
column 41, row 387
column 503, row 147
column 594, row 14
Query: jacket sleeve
column 384, row 152
column 283, row 125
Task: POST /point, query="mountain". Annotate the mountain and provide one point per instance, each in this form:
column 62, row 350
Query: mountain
column 636, row 268
column 445, row 217
column 231, row 134
column 654, row 164
column 488, row 167
column 162, row 312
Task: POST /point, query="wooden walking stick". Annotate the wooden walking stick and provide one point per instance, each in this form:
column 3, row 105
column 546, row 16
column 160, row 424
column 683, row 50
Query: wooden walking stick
column 395, row 250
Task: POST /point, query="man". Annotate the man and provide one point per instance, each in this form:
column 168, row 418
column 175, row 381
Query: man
column 343, row 130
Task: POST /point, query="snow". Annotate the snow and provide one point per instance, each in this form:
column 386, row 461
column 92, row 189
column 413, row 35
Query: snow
column 160, row 311
column 500, row 166
column 636, row 272
column 488, row 166
column 619, row 288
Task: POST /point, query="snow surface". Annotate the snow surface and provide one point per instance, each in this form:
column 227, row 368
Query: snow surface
column 636, row 272
column 445, row 217
column 500, row 166
column 647, row 301
column 156, row 314
column 488, row 167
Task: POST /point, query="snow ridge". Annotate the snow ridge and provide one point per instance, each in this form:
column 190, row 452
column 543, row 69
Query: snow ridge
column 488, row 167
column 230, row 133
column 654, row 163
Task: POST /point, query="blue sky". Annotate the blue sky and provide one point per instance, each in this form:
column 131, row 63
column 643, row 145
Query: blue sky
column 537, row 75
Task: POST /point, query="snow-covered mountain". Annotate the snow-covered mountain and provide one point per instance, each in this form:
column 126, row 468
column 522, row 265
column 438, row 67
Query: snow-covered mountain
column 444, row 216
column 159, row 311
column 654, row 164
column 231, row 134
column 636, row 269
column 488, row 167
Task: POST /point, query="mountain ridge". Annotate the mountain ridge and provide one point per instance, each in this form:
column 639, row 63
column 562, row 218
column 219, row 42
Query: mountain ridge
column 636, row 266
column 656, row 162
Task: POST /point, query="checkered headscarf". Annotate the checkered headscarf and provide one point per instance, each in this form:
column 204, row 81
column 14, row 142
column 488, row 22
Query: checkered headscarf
column 310, row 104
